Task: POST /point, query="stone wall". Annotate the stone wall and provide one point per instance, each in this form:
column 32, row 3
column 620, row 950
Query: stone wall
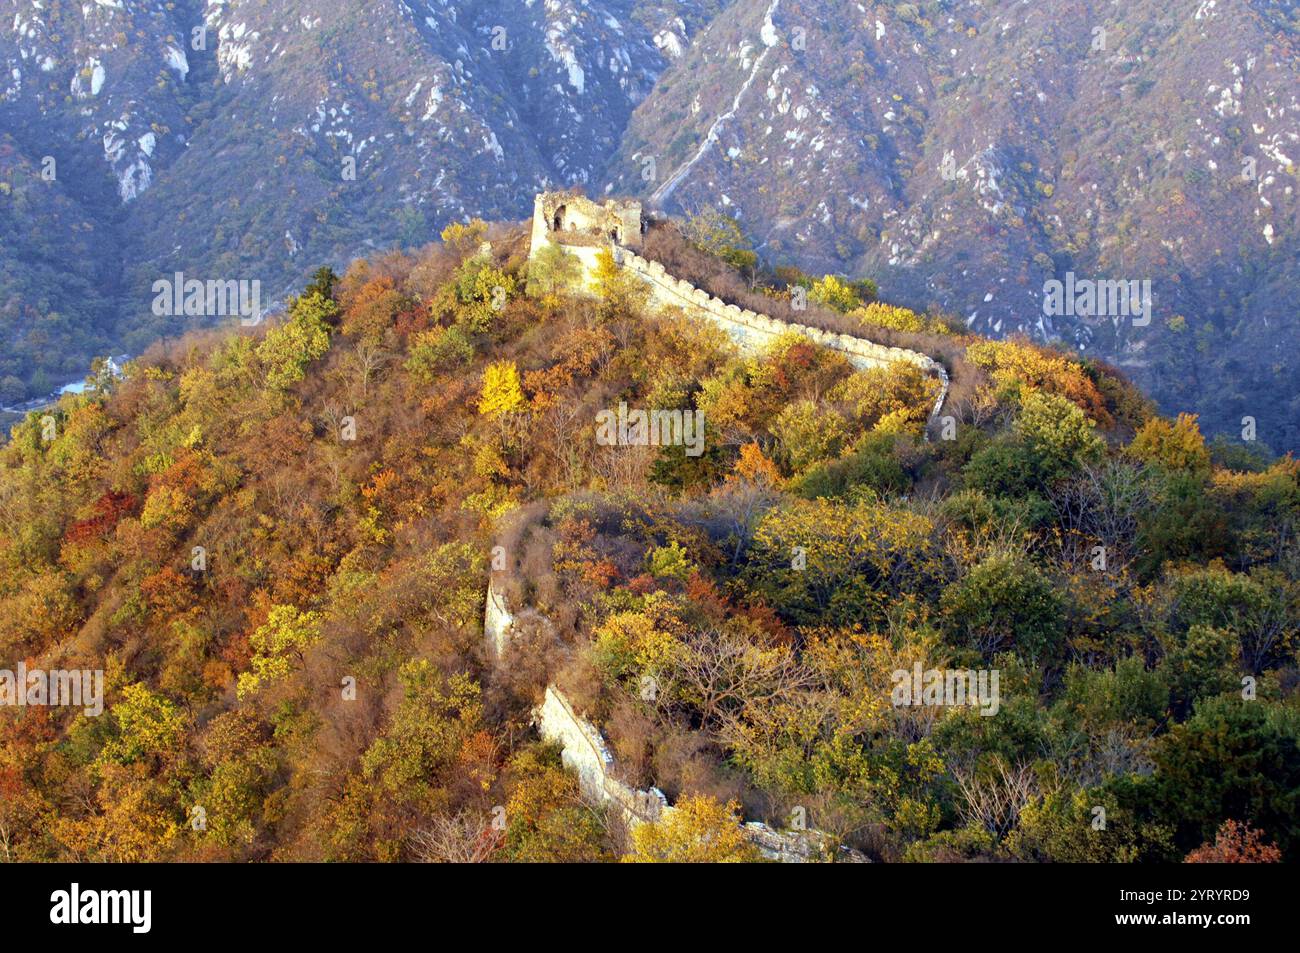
column 754, row 331
column 497, row 620
column 749, row 329
column 565, row 214
column 585, row 753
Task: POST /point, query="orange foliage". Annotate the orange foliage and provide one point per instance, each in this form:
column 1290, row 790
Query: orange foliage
column 581, row 351
column 380, row 484
column 754, row 467
column 108, row 509
column 601, row 573
column 369, row 309
column 1018, row 361
column 168, row 592
column 1236, row 843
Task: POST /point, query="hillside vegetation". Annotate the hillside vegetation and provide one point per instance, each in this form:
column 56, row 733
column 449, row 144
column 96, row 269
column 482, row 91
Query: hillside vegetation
column 276, row 543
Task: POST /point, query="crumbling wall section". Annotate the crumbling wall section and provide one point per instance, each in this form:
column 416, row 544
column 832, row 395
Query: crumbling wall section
column 584, row 752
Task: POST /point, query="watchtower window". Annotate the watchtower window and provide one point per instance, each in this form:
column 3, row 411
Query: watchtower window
column 613, row 234
column 559, row 219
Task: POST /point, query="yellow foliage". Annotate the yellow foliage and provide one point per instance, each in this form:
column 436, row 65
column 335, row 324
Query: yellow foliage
column 466, row 238
column 895, row 318
column 896, row 422
column 901, row 391
column 1177, row 446
column 1018, row 364
column 700, row 830
column 635, row 643
column 502, row 392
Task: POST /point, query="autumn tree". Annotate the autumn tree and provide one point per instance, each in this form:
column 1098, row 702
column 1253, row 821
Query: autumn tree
column 482, row 291
column 1174, row 446
column 547, row 820
column 1005, row 601
column 1058, row 432
column 623, row 296
column 698, row 830
column 1236, row 843
column 808, row 433
column 464, row 238
column 305, row 337
column 721, row 236
column 835, row 293
column 551, row 271
column 277, row 644
column 502, row 393
column 820, row 561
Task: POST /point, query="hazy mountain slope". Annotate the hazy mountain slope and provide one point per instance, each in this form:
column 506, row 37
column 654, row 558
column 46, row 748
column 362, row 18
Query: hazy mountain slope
column 361, row 126
column 91, row 102
column 1124, row 161
column 289, row 133
column 54, row 282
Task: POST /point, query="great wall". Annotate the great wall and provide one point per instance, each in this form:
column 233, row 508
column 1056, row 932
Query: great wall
column 584, row 752
column 584, row 228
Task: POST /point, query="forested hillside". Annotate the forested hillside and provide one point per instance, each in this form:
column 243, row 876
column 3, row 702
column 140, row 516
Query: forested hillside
column 276, row 542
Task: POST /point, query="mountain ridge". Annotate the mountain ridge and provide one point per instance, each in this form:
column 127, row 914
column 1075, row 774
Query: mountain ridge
column 1113, row 154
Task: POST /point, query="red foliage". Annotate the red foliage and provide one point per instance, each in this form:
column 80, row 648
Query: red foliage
column 12, row 785
column 168, row 592
column 643, row 584
column 412, row 319
column 702, row 591
column 109, row 510
column 236, row 653
column 765, row 617
column 1236, row 843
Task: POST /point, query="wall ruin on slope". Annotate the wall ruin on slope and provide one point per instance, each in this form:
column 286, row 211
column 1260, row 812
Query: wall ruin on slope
column 584, row 752
column 497, row 620
column 575, row 218
column 754, row 331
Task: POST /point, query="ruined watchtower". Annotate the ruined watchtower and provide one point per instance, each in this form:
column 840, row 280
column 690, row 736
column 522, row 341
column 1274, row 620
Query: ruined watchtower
column 572, row 219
